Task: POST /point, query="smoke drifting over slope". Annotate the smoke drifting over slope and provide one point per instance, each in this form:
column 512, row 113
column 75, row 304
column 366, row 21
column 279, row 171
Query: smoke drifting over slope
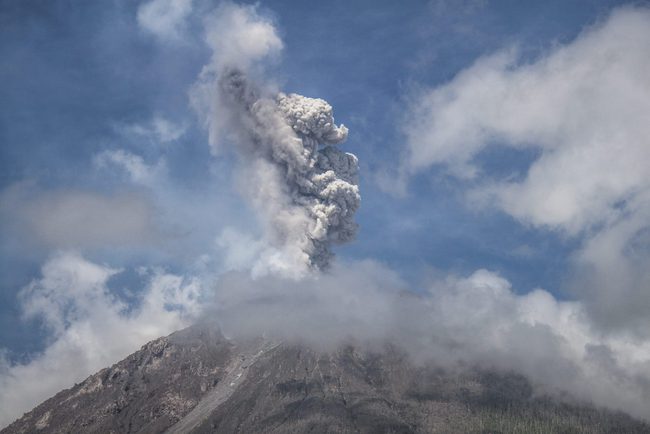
column 455, row 322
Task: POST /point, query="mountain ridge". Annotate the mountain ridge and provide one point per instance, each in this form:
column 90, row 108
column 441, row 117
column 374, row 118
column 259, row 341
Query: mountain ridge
column 196, row 380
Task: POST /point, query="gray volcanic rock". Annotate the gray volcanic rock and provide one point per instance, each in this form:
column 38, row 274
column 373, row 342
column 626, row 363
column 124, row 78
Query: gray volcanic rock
column 146, row 392
column 197, row 381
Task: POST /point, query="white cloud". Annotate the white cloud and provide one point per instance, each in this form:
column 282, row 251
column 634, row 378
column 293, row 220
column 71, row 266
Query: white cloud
column 476, row 320
column 612, row 271
column 584, row 106
column 165, row 130
column 89, row 327
column 133, row 165
column 164, row 18
column 158, row 130
column 583, row 110
column 552, row 342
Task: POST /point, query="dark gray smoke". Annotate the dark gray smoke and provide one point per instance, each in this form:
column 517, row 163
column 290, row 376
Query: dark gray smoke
column 303, row 186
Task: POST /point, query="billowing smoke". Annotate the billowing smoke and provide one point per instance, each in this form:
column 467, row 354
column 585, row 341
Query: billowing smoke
column 454, row 322
column 302, row 185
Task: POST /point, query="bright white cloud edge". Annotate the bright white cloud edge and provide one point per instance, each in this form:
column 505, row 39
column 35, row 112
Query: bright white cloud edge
column 582, row 108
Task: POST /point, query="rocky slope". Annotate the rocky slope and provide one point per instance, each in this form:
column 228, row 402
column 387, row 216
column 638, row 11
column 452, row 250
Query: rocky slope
column 197, row 381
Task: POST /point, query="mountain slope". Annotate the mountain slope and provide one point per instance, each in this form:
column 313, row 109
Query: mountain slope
column 197, row 381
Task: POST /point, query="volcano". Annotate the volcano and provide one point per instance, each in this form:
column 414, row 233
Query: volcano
column 198, row 381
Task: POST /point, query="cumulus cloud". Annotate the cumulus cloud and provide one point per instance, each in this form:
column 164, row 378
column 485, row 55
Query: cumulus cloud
column 158, row 130
column 611, row 271
column 133, row 165
column 89, row 326
column 76, row 218
column 164, row 19
column 583, row 106
column 303, row 188
column 582, row 110
column 476, row 320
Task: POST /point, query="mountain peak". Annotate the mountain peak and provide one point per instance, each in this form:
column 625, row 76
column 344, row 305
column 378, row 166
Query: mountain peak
column 198, row 381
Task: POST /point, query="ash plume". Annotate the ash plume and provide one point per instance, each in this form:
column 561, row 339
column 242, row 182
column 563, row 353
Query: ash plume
column 305, row 189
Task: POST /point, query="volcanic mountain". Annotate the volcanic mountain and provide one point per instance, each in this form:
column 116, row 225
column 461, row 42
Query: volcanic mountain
column 197, row 381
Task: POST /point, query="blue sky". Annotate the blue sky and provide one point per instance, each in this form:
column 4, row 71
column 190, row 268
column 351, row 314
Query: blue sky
column 83, row 80
column 73, row 73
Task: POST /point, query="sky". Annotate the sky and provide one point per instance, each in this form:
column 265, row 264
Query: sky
column 504, row 184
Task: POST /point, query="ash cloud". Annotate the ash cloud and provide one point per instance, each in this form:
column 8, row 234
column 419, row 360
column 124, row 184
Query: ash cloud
column 304, row 187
